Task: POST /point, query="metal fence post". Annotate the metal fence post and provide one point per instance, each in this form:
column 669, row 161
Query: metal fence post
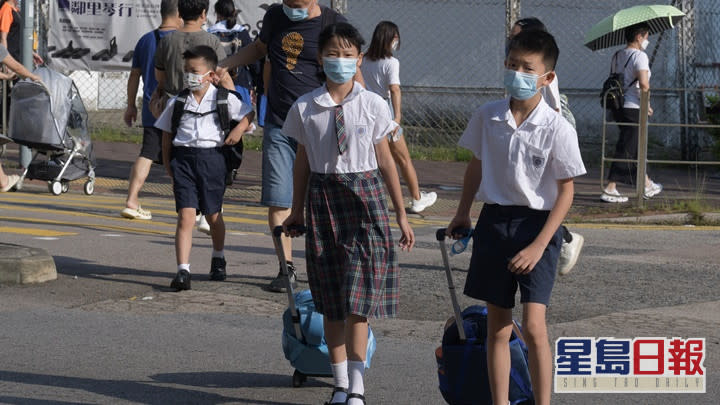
column 642, row 146
column 339, row 5
column 512, row 14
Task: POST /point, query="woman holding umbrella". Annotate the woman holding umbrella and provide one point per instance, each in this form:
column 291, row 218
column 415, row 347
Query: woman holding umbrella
column 633, row 62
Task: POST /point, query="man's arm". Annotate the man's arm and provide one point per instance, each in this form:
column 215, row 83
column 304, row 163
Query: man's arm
column 18, row 68
column 243, row 57
column 132, row 88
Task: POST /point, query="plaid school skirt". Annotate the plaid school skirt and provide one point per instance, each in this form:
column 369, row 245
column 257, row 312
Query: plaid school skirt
column 351, row 261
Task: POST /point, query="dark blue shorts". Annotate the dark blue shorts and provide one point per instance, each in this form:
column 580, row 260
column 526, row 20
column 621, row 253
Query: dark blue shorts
column 501, row 232
column 198, row 178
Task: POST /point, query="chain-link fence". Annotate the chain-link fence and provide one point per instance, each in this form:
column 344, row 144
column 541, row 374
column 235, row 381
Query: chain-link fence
column 452, row 62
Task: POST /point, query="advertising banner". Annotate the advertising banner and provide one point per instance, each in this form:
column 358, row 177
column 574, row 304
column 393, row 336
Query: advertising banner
column 101, row 35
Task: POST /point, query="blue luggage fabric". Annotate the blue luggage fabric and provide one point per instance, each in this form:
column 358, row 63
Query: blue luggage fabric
column 462, row 366
column 310, row 355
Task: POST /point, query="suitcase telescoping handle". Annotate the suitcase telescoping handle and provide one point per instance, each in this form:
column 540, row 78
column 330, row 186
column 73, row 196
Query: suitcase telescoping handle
column 440, row 236
column 277, row 232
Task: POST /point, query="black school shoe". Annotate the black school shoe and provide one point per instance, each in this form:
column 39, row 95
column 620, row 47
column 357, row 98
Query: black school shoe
column 279, row 284
column 181, row 281
column 217, row 269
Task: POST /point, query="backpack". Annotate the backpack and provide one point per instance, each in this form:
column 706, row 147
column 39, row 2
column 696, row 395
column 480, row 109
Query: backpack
column 462, row 365
column 232, row 41
column 612, row 96
column 233, row 154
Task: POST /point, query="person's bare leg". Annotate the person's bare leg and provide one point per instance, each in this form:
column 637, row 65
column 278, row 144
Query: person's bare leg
column 611, row 186
column 276, row 216
column 3, row 178
column 335, row 338
column 183, row 234
column 540, row 356
column 217, row 230
column 498, row 352
column 138, row 175
column 401, row 155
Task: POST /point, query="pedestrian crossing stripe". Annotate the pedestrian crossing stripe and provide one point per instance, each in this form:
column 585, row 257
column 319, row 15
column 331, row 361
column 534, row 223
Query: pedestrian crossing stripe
column 34, row 232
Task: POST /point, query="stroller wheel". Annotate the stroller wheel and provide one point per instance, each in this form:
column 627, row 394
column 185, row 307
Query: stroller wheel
column 298, row 379
column 89, row 187
column 55, row 187
column 65, row 187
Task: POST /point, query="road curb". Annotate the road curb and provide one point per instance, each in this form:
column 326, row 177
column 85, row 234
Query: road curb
column 25, row 265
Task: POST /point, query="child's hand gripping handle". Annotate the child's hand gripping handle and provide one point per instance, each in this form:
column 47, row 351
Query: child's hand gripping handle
column 457, row 233
column 292, row 230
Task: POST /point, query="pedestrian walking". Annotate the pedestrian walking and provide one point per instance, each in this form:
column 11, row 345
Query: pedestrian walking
column 289, row 38
column 193, row 158
column 143, row 67
column 381, row 72
column 525, row 156
column 342, row 132
column 572, row 242
column 634, row 64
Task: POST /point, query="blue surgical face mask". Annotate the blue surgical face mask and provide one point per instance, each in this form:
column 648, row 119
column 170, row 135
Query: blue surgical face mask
column 296, row 14
column 521, row 86
column 339, row 70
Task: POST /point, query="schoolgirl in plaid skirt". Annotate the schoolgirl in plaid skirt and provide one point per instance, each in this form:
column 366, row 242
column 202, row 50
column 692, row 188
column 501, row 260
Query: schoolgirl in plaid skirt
column 342, row 167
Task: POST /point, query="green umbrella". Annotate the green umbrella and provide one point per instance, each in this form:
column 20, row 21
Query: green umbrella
column 611, row 31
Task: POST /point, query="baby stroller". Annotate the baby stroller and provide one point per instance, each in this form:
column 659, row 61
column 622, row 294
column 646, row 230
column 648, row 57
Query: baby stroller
column 51, row 118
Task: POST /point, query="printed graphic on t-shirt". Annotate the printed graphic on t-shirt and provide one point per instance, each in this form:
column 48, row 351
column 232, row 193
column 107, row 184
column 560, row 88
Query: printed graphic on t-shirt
column 292, row 44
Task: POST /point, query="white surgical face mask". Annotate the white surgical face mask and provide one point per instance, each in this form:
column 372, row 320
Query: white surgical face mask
column 394, row 45
column 644, row 44
column 193, row 81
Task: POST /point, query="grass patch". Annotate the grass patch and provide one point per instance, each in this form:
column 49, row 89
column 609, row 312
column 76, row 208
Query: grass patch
column 440, row 153
column 113, row 135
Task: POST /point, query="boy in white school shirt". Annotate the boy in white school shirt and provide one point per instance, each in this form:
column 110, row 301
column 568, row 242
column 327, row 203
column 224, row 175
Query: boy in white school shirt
column 525, row 158
column 197, row 167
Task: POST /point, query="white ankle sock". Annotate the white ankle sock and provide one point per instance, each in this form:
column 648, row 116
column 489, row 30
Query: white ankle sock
column 218, row 253
column 356, row 370
column 340, row 379
column 184, row 266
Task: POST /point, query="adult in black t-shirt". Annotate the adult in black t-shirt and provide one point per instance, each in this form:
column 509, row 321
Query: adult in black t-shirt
column 289, row 37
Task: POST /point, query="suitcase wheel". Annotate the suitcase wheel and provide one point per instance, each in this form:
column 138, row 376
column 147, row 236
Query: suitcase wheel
column 298, row 379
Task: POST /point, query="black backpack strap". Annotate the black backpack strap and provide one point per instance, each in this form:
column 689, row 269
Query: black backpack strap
column 223, row 110
column 328, row 16
column 179, row 109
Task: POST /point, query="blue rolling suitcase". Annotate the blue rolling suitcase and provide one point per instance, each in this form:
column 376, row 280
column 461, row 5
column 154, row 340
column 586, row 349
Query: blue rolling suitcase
column 462, row 358
column 303, row 338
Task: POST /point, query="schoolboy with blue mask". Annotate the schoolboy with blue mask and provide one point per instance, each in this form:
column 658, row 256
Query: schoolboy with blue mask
column 525, row 157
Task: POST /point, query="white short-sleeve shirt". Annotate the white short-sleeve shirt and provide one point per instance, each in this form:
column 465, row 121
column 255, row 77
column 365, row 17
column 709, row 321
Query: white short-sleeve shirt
column 521, row 166
column 201, row 132
column 380, row 74
column 638, row 60
column 311, row 121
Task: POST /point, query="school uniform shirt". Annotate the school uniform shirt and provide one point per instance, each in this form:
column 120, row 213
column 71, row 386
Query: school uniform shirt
column 380, row 74
column 311, row 121
column 521, row 165
column 638, row 61
column 201, row 131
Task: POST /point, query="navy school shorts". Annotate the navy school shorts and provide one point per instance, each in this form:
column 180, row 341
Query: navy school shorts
column 501, row 232
column 198, row 178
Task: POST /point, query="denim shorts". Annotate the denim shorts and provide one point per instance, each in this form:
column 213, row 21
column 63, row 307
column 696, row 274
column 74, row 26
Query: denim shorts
column 278, row 159
column 198, row 178
column 501, row 232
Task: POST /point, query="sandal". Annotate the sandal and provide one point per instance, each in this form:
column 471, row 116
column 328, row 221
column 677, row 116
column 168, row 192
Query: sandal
column 358, row 396
column 337, row 389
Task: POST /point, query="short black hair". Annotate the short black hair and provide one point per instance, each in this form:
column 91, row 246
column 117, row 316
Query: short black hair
column 191, row 10
column 168, row 8
column 344, row 31
column 535, row 41
column 632, row 31
column 203, row 52
column 530, row 23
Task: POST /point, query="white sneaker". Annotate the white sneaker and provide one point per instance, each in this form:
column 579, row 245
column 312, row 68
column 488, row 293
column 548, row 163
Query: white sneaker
column 426, row 200
column 613, row 197
column 138, row 213
column 569, row 253
column 203, row 226
column 652, row 189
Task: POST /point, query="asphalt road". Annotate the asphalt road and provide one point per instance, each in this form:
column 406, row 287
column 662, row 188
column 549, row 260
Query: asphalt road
column 109, row 330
